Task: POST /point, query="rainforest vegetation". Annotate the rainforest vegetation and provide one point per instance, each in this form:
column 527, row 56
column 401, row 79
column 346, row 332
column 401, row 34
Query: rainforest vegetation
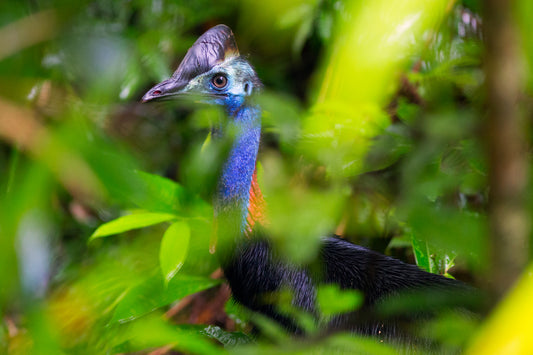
column 403, row 126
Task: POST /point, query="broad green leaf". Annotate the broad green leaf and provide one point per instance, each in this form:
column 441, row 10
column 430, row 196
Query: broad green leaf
column 152, row 294
column 131, row 221
column 332, row 300
column 174, row 249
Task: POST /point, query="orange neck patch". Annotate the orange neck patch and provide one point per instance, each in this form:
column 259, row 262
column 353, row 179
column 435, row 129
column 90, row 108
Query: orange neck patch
column 256, row 214
column 256, row 206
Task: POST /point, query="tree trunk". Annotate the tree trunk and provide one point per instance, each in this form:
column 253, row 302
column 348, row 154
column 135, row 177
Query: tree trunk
column 506, row 148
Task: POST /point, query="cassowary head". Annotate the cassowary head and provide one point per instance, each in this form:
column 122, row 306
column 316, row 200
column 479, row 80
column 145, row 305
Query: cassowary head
column 212, row 69
column 214, row 72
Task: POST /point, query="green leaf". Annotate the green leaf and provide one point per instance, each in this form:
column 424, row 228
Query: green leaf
column 229, row 339
column 155, row 331
column 164, row 195
column 332, row 300
column 152, row 294
column 343, row 343
column 129, row 222
column 174, row 249
column 238, row 313
column 431, row 258
column 421, row 251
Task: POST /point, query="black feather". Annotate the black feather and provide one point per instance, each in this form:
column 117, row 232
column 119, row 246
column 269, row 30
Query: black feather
column 255, row 273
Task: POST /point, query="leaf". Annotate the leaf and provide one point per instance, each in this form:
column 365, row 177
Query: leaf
column 229, row 339
column 238, row 313
column 152, row 294
column 496, row 336
column 174, row 249
column 431, row 258
column 164, row 195
column 421, row 251
column 343, row 343
column 155, row 331
column 129, row 222
column 332, row 300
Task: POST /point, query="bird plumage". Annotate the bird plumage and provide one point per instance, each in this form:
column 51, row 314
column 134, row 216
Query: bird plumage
column 213, row 69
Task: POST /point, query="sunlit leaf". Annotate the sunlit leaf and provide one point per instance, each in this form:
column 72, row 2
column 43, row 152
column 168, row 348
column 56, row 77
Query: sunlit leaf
column 131, row 221
column 174, row 249
column 497, row 336
column 359, row 77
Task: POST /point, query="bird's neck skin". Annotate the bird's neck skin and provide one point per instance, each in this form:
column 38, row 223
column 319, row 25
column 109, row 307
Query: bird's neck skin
column 238, row 201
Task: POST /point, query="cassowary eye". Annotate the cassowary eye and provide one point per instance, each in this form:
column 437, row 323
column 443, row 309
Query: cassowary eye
column 219, row 81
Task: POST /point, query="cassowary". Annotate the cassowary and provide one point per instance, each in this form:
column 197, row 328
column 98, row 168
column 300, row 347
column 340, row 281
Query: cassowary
column 213, row 70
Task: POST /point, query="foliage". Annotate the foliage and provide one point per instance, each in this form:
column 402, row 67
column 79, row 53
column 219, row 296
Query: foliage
column 372, row 129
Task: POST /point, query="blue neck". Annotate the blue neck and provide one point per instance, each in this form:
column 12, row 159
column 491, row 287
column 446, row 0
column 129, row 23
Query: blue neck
column 233, row 191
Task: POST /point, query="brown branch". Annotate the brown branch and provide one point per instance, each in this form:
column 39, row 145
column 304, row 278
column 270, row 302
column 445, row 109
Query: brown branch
column 163, row 350
column 179, row 306
column 506, row 148
column 21, row 127
column 27, row 32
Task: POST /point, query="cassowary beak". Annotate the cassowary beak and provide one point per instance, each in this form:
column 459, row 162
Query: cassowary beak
column 164, row 90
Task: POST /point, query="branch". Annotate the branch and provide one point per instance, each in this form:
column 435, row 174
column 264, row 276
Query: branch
column 21, row 127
